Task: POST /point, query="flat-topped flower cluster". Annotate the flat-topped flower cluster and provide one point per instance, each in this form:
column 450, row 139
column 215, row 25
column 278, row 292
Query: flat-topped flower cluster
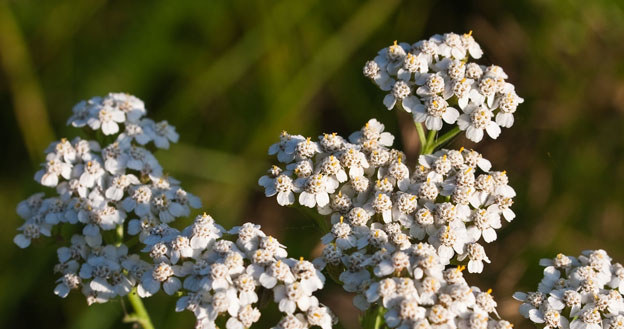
column 583, row 292
column 394, row 230
column 102, row 191
column 109, row 194
column 223, row 278
column 451, row 199
column 434, row 80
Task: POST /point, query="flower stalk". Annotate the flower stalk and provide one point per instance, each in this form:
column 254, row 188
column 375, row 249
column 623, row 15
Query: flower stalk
column 140, row 315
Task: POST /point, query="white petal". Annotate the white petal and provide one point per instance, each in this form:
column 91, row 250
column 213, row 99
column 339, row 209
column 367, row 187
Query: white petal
column 474, row 134
column 389, row 101
column 307, row 199
column 433, row 123
column 267, row 281
column 450, row 115
column 21, row 241
column 493, row 129
column 322, row 199
column 489, row 235
column 410, row 103
column 61, row 290
column 285, row 198
column 171, row 286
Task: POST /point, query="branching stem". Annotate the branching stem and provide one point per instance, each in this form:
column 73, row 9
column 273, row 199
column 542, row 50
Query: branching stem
column 140, row 314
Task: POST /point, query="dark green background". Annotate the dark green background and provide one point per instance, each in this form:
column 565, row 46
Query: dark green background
column 230, row 75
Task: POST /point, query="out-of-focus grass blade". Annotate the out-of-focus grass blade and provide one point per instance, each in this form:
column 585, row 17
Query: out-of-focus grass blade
column 28, row 103
column 99, row 316
column 336, row 50
column 232, row 171
column 232, row 65
column 73, row 14
column 203, row 163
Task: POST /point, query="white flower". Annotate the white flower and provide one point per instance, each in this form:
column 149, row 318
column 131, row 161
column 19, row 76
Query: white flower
column 107, row 118
column 486, row 222
column 576, row 288
column 247, row 315
column 433, row 112
column 508, row 103
column 372, row 130
column 53, row 169
column 281, row 185
column 131, row 106
column 589, row 319
column 285, row 148
column 306, row 149
column 162, row 133
column 92, row 174
column 67, row 282
column 162, row 273
column 315, row 190
column 400, row 91
column 476, row 119
column 166, row 207
column 138, row 132
column 319, row 316
column 138, row 200
column 471, row 45
column 118, row 184
column 30, row 231
column 476, row 255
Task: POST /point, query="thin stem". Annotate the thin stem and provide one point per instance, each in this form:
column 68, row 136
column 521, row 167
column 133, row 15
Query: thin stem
column 140, row 314
column 445, row 138
column 119, row 235
column 431, row 137
column 373, row 318
column 430, row 140
column 421, row 136
column 379, row 320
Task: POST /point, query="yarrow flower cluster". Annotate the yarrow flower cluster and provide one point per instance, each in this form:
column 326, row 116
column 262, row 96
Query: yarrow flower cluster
column 583, row 292
column 394, row 230
column 222, row 273
column 103, row 190
column 434, row 80
column 451, row 199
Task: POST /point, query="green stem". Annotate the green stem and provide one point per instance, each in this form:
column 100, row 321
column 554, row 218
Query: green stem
column 119, row 235
column 445, row 138
column 140, row 314
column 379, row 320
column 421, row 136
column 373, row 318
column 427, row 149
column 431, row 137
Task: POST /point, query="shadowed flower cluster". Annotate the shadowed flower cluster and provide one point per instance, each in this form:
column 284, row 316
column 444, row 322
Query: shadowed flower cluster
column 102, row 191
column 583, row 292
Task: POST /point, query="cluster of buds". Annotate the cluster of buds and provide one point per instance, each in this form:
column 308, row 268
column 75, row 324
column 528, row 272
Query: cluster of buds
column 434, row 80
column 222, row 274
column 583, row 292
column 98, row 189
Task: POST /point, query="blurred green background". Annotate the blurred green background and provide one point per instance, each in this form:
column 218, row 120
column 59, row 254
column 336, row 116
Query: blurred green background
column 230, row 75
